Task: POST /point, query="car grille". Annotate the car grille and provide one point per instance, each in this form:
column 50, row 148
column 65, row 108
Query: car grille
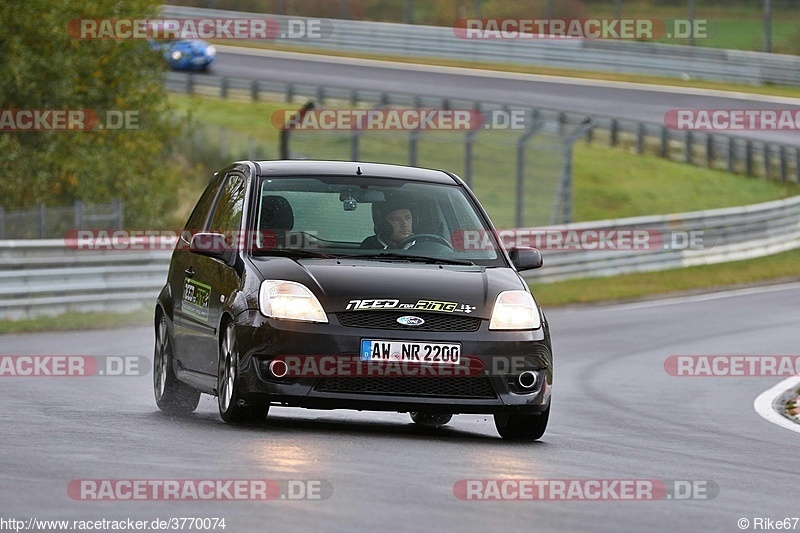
column 388, row 320
column 447, row 387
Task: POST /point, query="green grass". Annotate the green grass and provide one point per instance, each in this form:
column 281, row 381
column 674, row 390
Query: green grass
column 608, row 182
column 612, row 184
column 774, row 268
column 77, row 321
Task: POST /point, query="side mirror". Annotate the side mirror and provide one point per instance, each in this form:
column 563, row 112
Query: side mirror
column 211, row 245
column 526, row 258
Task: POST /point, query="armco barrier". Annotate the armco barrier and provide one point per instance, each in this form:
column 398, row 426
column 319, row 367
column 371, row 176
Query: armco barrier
column 727, row 234
column 601, row 55
column 46, row 278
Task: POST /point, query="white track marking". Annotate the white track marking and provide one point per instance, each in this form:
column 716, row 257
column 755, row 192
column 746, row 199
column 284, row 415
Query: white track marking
column 763, row 404
column 704, row 297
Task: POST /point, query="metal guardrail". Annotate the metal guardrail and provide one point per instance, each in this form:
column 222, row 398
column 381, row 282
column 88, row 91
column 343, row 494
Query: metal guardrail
column 46, row 278
column 728, row 234
column 601, row 55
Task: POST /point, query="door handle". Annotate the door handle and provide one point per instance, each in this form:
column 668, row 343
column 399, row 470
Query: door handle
column 189, row 272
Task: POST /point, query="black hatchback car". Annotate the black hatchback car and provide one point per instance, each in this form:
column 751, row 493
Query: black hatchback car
column 346, row 285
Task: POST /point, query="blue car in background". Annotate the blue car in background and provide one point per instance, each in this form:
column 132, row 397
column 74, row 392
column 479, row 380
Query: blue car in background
column 186, row 54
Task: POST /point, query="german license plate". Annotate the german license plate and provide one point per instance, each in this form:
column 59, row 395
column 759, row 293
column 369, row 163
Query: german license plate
column 420, row 352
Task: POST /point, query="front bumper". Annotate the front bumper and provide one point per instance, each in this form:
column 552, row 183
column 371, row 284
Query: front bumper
column 499, row 357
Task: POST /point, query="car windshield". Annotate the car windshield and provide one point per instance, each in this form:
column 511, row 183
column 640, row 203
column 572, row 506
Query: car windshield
column 379, row 219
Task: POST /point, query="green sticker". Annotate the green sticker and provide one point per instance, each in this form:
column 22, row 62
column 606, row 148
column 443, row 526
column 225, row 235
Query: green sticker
column 196, row 296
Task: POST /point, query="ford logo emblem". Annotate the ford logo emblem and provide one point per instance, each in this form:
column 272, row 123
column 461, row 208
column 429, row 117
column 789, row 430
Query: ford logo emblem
column 410, row 321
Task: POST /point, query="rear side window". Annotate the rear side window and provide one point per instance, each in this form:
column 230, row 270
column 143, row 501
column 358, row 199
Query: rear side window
column 227, row 217
column 199, row 217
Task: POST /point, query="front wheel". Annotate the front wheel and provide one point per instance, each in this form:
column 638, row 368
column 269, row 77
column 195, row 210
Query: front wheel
column 522, row 427
column 233, row 409
column 172, row 396
column 431, row 419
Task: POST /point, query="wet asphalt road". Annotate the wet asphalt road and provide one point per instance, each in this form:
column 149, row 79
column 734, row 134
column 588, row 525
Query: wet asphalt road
column 616, row 415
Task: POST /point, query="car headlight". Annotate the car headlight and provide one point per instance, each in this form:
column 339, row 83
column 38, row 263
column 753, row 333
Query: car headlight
column 211, row 51
column 515, row 310
column 177, row 55
column 289, row 300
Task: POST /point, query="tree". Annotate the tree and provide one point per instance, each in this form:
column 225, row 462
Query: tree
column 43, row 67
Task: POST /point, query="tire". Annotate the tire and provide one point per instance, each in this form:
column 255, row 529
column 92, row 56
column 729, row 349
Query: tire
column 233, row 409
column 431, row 420
column 522, row 427
column 172, row 396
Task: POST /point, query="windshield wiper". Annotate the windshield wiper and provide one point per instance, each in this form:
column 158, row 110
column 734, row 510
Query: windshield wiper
column 413, row 258
column 288, row 252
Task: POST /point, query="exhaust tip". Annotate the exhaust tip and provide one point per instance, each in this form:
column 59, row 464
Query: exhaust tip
column 278, row 368
column 527, row 379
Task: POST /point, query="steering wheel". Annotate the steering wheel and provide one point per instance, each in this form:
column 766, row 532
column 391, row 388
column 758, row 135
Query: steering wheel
column 429, row 237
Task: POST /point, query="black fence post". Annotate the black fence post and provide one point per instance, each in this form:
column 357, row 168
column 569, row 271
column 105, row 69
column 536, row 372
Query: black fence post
column 254, row 90
column 784, row 169
column 748, row 157
column 413, row 142
column 687, row 156
column 119, row 210
column 614, row 131
column 731, row 153
column 42, row 219
column 797, row 165
column 78, row 212
column 664, row 142
column 709, row 150
column 469, row 139
column 287, row 128
column 640, row 138
column 223, row 88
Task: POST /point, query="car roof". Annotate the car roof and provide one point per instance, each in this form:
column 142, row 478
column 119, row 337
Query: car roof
column 350, row 168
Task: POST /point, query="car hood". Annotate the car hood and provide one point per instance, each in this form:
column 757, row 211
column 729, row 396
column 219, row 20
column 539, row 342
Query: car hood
column 358, row 285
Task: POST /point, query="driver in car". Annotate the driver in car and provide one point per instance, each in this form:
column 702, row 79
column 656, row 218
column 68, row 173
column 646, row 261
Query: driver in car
column 394, row 221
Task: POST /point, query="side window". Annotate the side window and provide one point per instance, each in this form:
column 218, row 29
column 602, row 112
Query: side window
column 227, row 218
column 199, row 217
